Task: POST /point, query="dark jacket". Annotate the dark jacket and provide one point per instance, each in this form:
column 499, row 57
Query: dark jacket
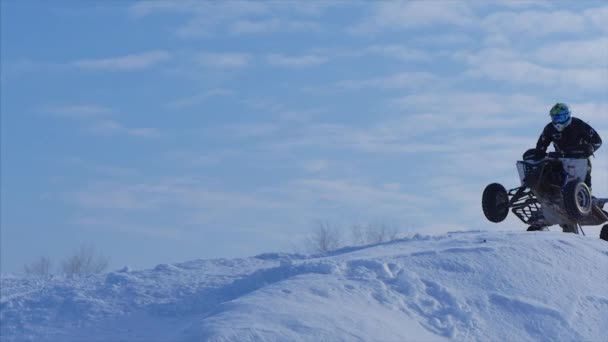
column 577, row 137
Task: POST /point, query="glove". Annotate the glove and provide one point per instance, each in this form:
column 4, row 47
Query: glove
column 534, row 154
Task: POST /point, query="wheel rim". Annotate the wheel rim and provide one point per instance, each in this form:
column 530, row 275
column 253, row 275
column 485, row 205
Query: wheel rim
column 583, row 199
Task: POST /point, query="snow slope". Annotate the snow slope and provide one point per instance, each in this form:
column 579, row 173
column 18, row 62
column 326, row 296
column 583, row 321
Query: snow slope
column 469, row 286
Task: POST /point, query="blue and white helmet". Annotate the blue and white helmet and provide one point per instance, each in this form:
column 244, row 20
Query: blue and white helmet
column 560, row 116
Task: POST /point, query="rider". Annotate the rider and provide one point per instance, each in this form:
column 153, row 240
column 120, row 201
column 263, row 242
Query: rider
column 571, row 137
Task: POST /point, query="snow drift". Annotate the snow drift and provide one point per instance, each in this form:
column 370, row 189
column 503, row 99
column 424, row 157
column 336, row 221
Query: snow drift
column 469, row 286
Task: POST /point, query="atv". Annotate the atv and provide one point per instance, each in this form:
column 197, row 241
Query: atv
column 553, row 191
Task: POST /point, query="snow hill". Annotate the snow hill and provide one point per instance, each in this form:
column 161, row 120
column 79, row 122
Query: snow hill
column 466, row 286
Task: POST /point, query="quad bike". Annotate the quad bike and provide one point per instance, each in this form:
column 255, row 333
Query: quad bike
column 552, row 191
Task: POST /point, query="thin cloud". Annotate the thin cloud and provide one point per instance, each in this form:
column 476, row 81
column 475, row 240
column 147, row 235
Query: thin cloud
column 111, row 223
column 295, row 61
column 535, row 23
column 224, row 60
column 248, row 130
column 80, row 111
column 431, row 114
column 587, row 53
column 183, row 193
column 400, row 15
column 99, row 120
column 229, row 9
column 411, row 80
column 522, row 72
column 143, row 132
column 201, row 159
column 131, row 62
column 374, row 199
column 106, row 170
column 315, row 166
column 209, row 18
column 398, row 52
column 443, row 39
column 273, row 25
column 199, row 98
column 508, row 65
column 598, row 17
column 110, row 127
column 402, row 53
column 146, row 8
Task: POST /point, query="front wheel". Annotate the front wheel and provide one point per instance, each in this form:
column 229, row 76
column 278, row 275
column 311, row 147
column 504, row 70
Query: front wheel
column 495, row 203
column 577, row 199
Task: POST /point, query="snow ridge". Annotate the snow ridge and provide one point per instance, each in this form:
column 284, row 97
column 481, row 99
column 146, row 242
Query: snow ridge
column 468, row 286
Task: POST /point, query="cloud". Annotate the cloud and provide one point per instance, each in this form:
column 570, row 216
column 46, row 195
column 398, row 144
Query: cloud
column 598, row 17
column 587, row 53
column 212, row 18
column 443, row 39
column 224, row 60
column 473, row 105
column 402, row 53
column 273, row 25
column 534, row 23
column 110, row 127
column 145, row 8
column 98, row 119
column 335, row 195
column 522, row 72
column 406, row 15
column 143, row 132
column 516, row 4
column 219, row 9
column 119, row 224
column 413, row 80
column 315, row 166
column 202, row 158
column 131, row 62
column 509, row 66
column 399, row 52
column 180, row 193
column 199, row 98
column 431, row 122
column 248, row 130
column 295, row 61
column 105, row 170
column 230, row 9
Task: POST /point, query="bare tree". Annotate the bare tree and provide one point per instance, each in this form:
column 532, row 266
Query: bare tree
column 85, row 261
column 40, row 268
column 325, row 238
column 380, row 232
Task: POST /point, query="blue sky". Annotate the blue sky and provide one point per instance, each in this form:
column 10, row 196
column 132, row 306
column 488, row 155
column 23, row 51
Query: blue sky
column 168, row 131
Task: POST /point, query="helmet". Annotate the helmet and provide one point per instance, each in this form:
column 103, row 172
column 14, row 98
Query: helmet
column 560, row 116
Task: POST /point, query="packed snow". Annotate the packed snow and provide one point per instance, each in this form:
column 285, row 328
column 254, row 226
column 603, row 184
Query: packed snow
column 465, row 286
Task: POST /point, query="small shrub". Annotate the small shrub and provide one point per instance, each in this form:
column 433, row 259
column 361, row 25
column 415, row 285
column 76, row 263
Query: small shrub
column 380, row 232
column 85, row 261
column 325, row 238
column 41, row 268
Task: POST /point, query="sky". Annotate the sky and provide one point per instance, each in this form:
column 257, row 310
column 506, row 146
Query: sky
column 169, row 131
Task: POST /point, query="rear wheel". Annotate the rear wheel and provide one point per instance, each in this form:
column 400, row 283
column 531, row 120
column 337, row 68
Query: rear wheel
column 577, row 199
column 495, row 202
column 604, row 233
